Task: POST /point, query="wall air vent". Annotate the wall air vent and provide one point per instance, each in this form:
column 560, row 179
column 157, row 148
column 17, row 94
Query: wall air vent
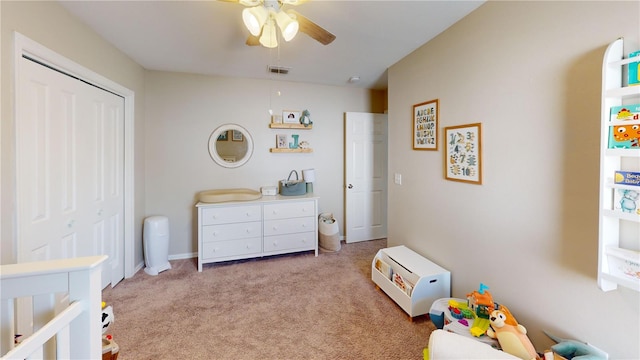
column 278, row 70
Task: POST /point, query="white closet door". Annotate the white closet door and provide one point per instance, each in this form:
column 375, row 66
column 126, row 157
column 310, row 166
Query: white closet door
column 69, row 166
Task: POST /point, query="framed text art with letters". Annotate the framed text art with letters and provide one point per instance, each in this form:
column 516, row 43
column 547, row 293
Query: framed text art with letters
column 425, row 125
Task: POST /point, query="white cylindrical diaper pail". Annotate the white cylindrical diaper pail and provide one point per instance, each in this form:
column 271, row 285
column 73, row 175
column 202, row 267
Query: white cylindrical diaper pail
column 329, row 232
column 156, row 244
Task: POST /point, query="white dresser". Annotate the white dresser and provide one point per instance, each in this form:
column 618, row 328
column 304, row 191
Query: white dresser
column 270, row 225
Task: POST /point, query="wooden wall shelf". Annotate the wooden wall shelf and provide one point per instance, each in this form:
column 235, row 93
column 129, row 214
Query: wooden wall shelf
column 290, row 126
column 284, row 150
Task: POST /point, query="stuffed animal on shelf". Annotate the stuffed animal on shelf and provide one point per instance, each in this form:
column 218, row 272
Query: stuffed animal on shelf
column 305, row 119
column 512, row 336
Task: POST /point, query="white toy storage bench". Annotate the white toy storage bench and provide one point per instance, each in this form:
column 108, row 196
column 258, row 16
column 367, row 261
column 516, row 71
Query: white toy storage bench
column 425, row 281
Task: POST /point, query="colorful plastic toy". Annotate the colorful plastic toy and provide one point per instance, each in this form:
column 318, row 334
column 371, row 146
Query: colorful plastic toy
column 481, row 302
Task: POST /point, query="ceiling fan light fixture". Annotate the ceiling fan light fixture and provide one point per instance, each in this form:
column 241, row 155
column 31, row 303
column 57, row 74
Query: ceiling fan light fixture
column 269, row 38
column 288, row 25
column 254, row 19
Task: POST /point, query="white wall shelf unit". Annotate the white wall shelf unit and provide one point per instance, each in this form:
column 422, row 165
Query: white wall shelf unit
column 618, row 235
column 285, row 150
column 429, row 281
column 290, row 126
column 271, row 225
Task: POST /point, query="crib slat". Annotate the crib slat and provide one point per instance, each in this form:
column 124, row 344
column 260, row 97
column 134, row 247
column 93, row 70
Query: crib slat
column 6, row 325
column 63, row 340
column 34, row 342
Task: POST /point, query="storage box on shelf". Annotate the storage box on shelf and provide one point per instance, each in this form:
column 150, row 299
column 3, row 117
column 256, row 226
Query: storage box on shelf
column 619, row 213
column 411, row 280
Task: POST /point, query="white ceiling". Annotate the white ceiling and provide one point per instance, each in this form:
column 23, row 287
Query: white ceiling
column 208, row 37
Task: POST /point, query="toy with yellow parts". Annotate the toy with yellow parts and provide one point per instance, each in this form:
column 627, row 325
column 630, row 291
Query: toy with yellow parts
column 512, row 336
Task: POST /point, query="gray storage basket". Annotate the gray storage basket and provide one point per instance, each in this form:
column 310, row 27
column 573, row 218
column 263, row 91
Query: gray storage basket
column 292, row 187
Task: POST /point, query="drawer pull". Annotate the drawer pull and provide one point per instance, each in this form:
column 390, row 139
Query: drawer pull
column 275, row 228
column 248, row 246
column 248, row 213
column 248, row 231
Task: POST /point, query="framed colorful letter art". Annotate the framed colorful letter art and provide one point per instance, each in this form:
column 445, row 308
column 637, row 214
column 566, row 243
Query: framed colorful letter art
column 425, row 125
column 463, row 156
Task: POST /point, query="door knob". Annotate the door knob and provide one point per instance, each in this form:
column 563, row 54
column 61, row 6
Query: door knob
column 350, row 186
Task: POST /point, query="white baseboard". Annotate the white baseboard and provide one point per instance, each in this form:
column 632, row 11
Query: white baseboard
column 183, row 256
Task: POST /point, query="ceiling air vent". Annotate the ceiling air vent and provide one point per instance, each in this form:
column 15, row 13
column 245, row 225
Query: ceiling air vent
column 278, row 70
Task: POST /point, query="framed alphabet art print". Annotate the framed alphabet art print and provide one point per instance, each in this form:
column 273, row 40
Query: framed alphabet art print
column 425, row 125
column 463, row 155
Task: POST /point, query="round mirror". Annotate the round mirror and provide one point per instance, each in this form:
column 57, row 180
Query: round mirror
column 230, row 145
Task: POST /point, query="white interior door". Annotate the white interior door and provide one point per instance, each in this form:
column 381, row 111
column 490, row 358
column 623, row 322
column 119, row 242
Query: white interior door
column 69, row 169
column 366, row 176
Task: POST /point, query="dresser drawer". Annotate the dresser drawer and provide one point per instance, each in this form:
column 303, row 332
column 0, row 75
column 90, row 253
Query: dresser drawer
column 297, row 241
column 231, row 231
column 289, row 210
column 288, row 226
column 222, row 249
column 231, row 214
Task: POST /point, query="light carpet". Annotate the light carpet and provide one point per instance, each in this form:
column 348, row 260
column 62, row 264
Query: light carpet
column 294, row 306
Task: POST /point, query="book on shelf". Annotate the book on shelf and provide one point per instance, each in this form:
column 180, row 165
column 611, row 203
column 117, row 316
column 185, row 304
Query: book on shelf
column 627, row 178
column 634, row 70
column 384, row 268
column 403, row 284
column 623, row 136
column 626, row 201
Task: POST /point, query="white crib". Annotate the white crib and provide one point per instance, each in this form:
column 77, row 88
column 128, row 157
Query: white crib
column 74, row 332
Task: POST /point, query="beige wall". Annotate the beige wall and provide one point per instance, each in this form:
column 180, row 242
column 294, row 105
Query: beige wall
column 530, row 72
column 182, row 112
column 51, row 25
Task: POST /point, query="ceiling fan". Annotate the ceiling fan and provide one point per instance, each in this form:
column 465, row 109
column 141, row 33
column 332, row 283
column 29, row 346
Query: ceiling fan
column 262, row 16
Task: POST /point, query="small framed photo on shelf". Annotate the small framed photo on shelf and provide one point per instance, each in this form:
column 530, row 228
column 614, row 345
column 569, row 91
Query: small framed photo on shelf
column 276, row 119
column 463, row 154
column 425, row 125
column 282, row 141
column 237, row 135
column 291, row 117
column 223, row 136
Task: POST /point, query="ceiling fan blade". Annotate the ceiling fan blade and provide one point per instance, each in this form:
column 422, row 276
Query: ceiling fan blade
column 312, row 29
column 294, row 2
column 253, row 40
column 244, row 2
